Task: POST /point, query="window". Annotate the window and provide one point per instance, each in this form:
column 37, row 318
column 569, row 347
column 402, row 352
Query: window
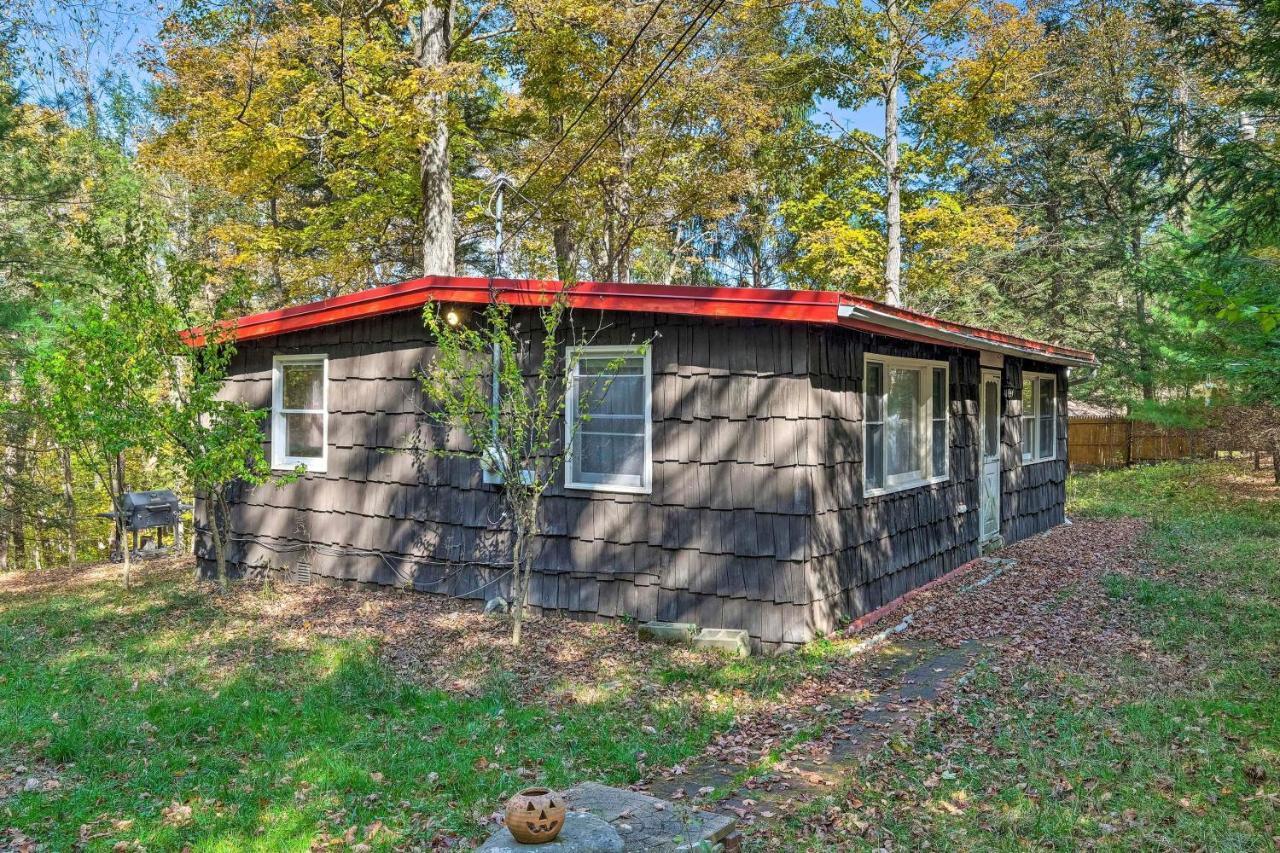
column 607, row 419
column 1039, row 417
column 299, row 411
column 906, row 439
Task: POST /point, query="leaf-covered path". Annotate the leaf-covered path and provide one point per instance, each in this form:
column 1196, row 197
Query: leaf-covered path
column 1044, row 598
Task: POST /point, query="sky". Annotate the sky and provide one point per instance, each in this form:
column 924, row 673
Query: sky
column 97, row 37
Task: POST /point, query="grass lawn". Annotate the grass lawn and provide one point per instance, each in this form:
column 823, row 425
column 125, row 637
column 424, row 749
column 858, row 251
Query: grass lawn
column 1169, row 742
column 167, row 717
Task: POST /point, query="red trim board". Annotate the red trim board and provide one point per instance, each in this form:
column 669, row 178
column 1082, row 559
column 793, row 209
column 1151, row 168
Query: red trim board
column 790, row 306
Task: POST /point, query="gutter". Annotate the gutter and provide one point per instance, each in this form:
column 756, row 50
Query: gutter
column 919, row 329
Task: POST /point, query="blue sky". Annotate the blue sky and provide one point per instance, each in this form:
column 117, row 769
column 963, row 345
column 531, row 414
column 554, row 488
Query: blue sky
column 868, row 117
column 98, row 37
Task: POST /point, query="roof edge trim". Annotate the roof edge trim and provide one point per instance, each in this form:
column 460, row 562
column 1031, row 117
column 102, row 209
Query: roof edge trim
column 916, row 328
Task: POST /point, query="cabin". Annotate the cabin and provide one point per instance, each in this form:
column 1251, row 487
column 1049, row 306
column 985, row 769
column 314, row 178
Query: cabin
column 785, row 461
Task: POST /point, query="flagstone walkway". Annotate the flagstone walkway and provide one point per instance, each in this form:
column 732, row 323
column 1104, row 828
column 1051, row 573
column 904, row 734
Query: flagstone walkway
column 916, row 676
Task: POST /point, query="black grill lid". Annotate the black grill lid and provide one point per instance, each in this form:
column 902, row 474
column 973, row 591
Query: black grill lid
column 155, row 499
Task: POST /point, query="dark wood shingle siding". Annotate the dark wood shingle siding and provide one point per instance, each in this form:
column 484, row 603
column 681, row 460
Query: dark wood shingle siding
column 1034, row 494
column 870, row 550
column 722, row 539
column 756, row 518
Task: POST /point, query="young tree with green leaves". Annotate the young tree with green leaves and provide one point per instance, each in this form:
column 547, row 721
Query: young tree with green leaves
column 499, row 383
column 220, row 441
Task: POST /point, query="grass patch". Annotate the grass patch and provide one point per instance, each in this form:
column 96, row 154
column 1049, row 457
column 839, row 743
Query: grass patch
column 131, row 702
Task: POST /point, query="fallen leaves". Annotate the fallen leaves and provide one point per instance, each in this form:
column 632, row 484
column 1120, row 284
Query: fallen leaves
column 176, row 814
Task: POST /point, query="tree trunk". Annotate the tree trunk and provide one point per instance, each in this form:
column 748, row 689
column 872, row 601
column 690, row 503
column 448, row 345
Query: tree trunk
column 122, row 535
column 1140, row 313
column 562, row 240
column 69, row 506
column 431, row 52
column 126, row 550
column 217, row 513
column 1182, row 146
column 893, row 178
column 561, row 235
column 617, row 204
column 519, row 586
column 115, row 488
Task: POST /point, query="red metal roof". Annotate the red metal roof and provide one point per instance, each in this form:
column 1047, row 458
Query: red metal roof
column 793, row 306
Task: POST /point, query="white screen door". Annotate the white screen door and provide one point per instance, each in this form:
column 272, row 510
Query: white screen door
column 989, row 490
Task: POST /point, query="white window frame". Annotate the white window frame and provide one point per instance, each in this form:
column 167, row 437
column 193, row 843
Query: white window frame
column 573, row 357
column 1032, row 456
column 924, row 420
column 279, row 461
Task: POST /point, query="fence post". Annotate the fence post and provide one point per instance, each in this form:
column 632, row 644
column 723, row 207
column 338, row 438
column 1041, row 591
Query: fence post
column 1128, row 442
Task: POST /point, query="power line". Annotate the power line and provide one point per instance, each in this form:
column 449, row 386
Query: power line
column 594, row 96
column 673, row 54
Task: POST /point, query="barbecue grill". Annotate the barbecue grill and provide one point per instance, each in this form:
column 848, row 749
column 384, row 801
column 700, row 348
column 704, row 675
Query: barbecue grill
column 153, row 510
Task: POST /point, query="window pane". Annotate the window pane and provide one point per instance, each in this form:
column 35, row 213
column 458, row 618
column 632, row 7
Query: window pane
column 612, row 424
column 873, row 456
column 1028, row 437
column 609, row 424
column 604, row 457
column 991, row 419
column 1045, row 447
column 630, row 365
column 1028, row 398
column 611, row 395
column 939, row 448
column 875, row 391
column 902, row 405
column 304, row 436
column 1046, row 397
column 303, row 386
column 939, row 393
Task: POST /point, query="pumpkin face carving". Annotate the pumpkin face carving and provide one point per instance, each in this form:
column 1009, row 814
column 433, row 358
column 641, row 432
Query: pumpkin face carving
column 535, row 815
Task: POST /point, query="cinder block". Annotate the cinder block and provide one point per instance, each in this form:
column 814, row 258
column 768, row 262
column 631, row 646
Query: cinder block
column 732, row 641
column 674, row 633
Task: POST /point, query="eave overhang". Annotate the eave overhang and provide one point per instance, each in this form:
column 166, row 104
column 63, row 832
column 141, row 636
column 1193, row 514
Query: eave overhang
column 786, row 306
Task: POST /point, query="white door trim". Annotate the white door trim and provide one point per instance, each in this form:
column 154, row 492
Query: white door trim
column 989, row 429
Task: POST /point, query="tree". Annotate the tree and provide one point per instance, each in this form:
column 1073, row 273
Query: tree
column 96, row 377
column 432, row 40
column 318, row 146
column 943, row 71
column 662, row 108
column 219, row 441
column 498, row 384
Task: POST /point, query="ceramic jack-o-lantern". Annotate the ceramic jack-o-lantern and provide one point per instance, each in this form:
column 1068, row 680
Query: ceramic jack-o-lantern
column 535, row 815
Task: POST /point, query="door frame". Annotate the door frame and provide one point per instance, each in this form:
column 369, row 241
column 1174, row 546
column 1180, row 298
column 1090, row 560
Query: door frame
column 989, row 375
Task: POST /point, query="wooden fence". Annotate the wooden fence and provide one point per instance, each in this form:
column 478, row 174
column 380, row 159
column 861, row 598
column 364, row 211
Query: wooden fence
column 1116, row 442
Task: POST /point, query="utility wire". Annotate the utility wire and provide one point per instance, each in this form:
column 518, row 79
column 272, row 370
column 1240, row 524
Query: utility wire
column 594, row 96
column 673, row 54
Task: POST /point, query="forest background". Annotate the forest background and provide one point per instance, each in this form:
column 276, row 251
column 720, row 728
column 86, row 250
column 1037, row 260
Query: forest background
column 1100, row 173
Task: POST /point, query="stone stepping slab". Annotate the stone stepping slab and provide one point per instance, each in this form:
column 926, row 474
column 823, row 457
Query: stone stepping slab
column 647, row 823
